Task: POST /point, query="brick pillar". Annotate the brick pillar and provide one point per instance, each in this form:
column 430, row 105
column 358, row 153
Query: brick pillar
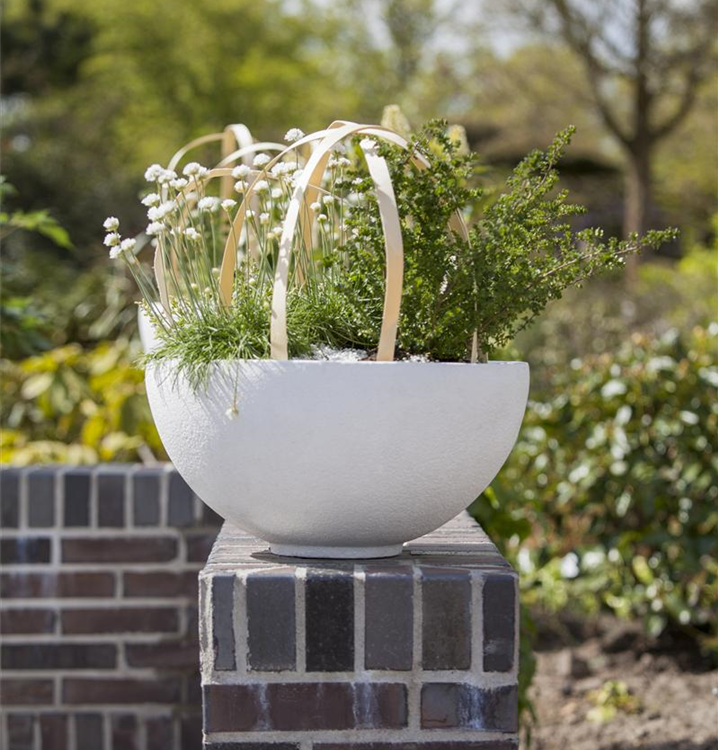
column 408, row 653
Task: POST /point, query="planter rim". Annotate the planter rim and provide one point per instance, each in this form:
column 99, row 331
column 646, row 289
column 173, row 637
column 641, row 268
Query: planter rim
column 347, row 363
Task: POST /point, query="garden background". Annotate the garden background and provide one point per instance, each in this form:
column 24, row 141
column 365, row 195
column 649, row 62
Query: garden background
column 608, row 506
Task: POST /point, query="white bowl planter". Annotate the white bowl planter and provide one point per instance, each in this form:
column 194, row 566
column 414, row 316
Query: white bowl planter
column 336, row 459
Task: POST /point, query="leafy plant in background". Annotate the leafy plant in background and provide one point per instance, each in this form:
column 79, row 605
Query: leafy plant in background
column 71, row 405
column 600, row 317
column 609, row 500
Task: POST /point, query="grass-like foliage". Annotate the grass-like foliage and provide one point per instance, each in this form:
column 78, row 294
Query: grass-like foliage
column 522, row 253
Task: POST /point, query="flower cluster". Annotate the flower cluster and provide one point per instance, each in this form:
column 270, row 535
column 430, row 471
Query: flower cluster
column 190, row 222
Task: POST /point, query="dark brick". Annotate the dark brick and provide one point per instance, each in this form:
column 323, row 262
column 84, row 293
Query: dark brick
column 232, row 708
column 199, row 546
column 59, row 656
column 76, row 492
column 89, row 732
column 146, row 488
column 329, row 608
column 9, row 498
column 223, row 622
column 24, row 550
column 41, row 497
column 118, row 550
column 120, row 620
column 20, row 692
column 450, row 705
column 50, row 585
column 163, row 655
column 499, row 605
column 161, row 584
column 27, row 621
column 160, row 733
column 210, row 517
column 446, row 605
column 80, row 690
column 304, row 706
column 180, row 509
column 123, row 730
column 271, row 621
column 381, row 705
column 193, row 686
column 53, row 732
column 111, row 498
column 191, row 732
column 20, row 731
column 389, row 621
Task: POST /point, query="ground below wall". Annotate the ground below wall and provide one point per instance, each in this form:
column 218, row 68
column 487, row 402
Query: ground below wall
column 98, row 608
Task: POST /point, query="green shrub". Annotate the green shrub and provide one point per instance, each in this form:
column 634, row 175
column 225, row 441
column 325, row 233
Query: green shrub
column 609, row 498
column 71, row 405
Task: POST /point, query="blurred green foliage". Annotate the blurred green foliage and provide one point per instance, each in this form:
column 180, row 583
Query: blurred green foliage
column 71, row 405
column 610, row 498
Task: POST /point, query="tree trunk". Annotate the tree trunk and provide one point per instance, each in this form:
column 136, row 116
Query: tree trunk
column 637, row 200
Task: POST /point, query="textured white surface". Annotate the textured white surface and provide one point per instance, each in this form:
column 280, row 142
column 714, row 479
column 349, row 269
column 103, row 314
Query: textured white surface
column 340, row 454
column 148, row 337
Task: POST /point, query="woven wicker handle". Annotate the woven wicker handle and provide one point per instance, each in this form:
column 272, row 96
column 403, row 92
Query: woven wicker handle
column 305, row 192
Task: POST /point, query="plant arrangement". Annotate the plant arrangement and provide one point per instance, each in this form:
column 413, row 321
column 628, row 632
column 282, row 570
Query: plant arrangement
column 519, row 253
column 352, row 244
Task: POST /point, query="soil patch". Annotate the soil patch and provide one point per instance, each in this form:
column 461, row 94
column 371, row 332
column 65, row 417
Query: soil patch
column 673, row 689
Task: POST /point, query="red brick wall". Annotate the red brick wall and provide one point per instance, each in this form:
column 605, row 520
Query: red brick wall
column 98, row 608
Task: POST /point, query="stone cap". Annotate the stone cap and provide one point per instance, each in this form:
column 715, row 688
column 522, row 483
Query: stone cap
column 459, row 543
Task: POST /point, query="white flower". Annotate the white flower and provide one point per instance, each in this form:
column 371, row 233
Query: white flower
column 209, row 203
column 128, row 245
column 151, row 200
column 249, row 214
column 316, row 206
column 111, row 223
column 115, row 252
column 191, row 233
column 179, row 183
column 228, row 204
column 241, row 171
column 338, row 161
column 240, row 186
column 157, row 213
column 276, row 193
column 194, row 169
column 322, row 218
column 293, row 134
column 264, row 219
column 167, row 176
column 281, row 168
column 277, row 231
column 261, row 159
column 112, row 239
column 156, row 227
column 232, row 412
column 153, row 172
column 328, row 200
column 261, row 186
